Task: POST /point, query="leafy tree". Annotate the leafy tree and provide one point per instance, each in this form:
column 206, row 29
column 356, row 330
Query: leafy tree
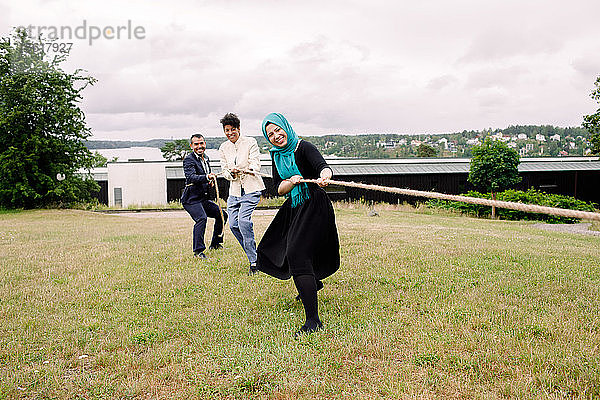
column 42, row 128
column 553, row 148
column 494, row 166
column 175, row 150
column 592, row 122
column 99, row 160
column 424, row 150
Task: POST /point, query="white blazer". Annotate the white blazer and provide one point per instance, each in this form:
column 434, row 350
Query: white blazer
column 243, row 154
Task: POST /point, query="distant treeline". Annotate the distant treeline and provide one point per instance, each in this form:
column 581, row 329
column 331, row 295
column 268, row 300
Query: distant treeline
column 370, row 145
column 211, row 143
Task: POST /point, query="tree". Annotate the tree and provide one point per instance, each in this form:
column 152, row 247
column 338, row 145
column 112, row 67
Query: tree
column 175, row 150
column 592, row 122
column 424, row 150
column 42, row 128
column 553, row 148
column 494, row 167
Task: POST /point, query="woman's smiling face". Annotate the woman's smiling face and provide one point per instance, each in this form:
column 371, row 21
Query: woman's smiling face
column 276, row 135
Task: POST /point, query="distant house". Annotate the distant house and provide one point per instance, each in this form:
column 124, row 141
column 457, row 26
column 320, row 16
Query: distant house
column 556, row 137
column 521, row 136
column 522, row 151
column 529, row 146
column 389, row 144
column 540, row 138
column 473, row 142
column 444, row 142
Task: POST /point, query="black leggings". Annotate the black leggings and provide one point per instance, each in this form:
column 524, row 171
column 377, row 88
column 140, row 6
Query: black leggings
column 307, row 289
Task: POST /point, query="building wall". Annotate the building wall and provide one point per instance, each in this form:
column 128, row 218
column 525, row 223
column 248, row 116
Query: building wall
column 582, row 185
column 140, row 184
column 579, row 184
column 161, row 182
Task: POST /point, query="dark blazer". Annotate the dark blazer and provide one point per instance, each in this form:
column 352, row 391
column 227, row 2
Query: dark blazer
column 196, row 188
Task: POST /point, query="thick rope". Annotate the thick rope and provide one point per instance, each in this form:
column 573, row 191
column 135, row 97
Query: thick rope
column 218, row 205
column 472, row 200
column 465, row 199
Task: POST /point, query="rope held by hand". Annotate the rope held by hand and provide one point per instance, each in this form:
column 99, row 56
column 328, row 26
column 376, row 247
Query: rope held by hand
column 218, row 205
column 472, row 200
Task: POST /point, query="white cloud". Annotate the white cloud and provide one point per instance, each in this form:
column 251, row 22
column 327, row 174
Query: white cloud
column 338, row 66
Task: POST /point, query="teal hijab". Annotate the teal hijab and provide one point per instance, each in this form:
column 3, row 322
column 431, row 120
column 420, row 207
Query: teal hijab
column 284, row 157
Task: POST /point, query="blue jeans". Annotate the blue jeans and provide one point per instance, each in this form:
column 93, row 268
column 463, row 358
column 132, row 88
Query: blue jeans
column 240, row 210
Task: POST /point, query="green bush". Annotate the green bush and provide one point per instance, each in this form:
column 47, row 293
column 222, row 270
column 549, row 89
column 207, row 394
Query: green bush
column 531, row 196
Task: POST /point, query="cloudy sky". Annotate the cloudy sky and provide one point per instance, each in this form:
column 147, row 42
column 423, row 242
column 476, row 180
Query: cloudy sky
column 351, row 67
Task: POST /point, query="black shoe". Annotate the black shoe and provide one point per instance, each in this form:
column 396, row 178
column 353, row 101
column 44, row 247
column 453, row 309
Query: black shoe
column 253, row 270
column 215, row 246
column 319, row 287
column 200, row 255
column 308, row 328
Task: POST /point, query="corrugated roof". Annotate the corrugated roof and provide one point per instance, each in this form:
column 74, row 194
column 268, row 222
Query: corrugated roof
column 420, row 166
column 560, row 166
column 176, row 172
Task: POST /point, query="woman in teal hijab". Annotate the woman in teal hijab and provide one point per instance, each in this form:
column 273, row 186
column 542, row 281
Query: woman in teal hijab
column 302, row 240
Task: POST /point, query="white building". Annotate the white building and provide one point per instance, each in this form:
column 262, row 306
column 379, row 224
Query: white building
column 556, row 137
column 521, row 136
column 390, row 144
column 133, row 183
column 540, row 138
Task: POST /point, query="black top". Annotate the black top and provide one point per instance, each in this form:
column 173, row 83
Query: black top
column 302, row 240
column 308, row 159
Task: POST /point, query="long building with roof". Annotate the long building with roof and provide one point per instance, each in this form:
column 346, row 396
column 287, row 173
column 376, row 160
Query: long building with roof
column 159, row 182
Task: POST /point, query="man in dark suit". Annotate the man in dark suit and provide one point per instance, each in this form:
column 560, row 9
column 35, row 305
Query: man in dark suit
column 198, row 178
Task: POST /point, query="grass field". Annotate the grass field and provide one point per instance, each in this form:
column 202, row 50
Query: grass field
column 96, row 306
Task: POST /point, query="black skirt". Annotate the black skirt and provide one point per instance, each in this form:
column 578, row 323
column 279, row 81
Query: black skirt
column 301, row 240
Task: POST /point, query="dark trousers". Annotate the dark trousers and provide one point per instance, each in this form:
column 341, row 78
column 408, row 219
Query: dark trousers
column 199, row 211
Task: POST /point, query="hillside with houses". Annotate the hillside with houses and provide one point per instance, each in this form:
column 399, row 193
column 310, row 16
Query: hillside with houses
column 528, row 140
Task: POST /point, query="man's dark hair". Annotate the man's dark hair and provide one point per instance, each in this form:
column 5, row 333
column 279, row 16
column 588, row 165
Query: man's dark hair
column 196, row 135
column 230, row 119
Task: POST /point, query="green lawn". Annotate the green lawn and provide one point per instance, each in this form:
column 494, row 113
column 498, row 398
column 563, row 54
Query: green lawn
column 96, row 306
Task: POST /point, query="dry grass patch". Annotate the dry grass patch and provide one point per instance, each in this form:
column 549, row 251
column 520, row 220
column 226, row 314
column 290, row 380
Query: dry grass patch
column 424, row 306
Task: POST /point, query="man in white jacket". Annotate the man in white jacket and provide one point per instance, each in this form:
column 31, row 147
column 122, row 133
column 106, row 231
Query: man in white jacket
column 239, row 162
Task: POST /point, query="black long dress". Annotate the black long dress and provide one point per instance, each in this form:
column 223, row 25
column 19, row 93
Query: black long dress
column 304, row 239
